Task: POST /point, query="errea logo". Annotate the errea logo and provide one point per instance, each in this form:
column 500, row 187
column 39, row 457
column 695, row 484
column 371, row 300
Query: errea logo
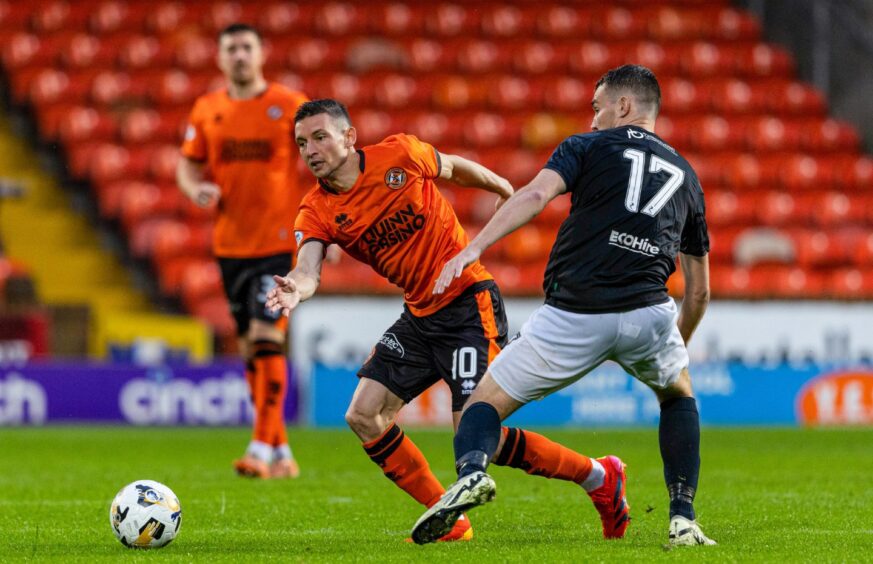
column 633, row 243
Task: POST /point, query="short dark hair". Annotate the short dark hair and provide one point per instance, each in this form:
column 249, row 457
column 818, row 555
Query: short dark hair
column 240, row 27
column 327, row 106
column 638, row 79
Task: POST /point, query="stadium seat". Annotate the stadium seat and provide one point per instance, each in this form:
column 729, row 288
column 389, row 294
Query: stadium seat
column 819, row 249
column 479, row 56
column 566, row 94
column 763, row 60
column 145, row 52
column 339, row 19
column 200, row 279
column 539, row 57
column 850, row 283
column 281, row 18
column 725, row 208
column 113, row 16
column 592, row 57
column 829, row 135
column 59, row 15
column 507, row 21
column 396, row 19
column 83, row 123
column 167, row 17
column 561, row 21
column 450, row 20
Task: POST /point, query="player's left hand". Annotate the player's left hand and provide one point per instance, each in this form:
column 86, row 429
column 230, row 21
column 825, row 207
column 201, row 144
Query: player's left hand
column 455, row 267
column 285, row 296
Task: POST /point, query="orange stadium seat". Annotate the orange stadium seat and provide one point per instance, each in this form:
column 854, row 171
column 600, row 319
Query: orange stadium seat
column 280, row 18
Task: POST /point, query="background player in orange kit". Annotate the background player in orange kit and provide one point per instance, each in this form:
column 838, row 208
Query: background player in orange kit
column 381, row 205
column 238, row 154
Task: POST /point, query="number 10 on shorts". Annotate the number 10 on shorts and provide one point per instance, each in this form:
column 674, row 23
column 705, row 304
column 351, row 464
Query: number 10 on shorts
column 464, row 363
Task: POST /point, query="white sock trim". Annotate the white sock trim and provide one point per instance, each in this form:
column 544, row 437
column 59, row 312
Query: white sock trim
column 595, row 478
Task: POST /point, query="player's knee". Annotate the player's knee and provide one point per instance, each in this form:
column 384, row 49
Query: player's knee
column 360, row 421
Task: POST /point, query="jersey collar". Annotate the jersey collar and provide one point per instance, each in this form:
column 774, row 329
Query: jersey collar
column 327, row 188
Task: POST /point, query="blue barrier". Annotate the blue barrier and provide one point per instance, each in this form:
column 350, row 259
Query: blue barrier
column 727, row 393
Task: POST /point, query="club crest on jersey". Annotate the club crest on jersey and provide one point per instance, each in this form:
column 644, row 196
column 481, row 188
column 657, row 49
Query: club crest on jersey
column 274, row 112
column 395, row 178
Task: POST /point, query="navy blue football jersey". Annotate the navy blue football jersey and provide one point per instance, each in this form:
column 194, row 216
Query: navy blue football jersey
column 635, row 204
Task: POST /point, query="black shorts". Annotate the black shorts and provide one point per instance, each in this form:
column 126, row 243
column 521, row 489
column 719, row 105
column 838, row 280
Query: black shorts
column 455, row 344
column 246, row 283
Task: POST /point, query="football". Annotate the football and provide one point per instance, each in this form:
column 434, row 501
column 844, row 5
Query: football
column 145, row 514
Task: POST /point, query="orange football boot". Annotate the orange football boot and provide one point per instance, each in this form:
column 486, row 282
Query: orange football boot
column 284, row 468
column 251, row 467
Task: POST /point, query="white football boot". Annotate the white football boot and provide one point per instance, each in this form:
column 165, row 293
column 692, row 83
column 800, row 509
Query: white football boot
column 684, row 532
column 470, row 491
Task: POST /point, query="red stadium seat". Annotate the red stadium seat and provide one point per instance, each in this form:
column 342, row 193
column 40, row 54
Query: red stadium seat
column 85, row 124
column 310, row 54
column 141, row 241
column 502, row 20
column 863, row 251
column 162, row 161
column 835, row 209
column 112, row 16
column 539, row 57
column 426, row 55
column 725, row 208
column 763, row 60
column 372, row 126
column 477, row 57
column 399, row 91
column 560, row 21
column 150, row 126
column 566, row 94
column 734, row 96
column 196, row 53
column 617, row 23
column 147, row 202
column 145, row 52
column 396, row 18
column 450, row 20
column 851, row 283
column 731, row 24
column 703, row 59
column 436, row 128
column 178, row 88
column 803, row 172
column 592, row 58
column 514, row 93
column 59, row 15
column 219, row 15
column 340, row 19
column 818, row 249
column 167, row 17
column 795, row 98
column 83, row 51
column 488, row 130
column 780, row 208
column 772, row 134
column 201, row 278
column 830, row 135
column 24, row 49
column 679, row 96
column 281, row 18
column 662, row 59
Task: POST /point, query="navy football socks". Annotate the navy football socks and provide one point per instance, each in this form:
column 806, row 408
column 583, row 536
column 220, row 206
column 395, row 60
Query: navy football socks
column 679, row 436
column 477, row 438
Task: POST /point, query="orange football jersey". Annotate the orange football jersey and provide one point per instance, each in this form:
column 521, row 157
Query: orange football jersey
column 250, row 152
column 395, row 220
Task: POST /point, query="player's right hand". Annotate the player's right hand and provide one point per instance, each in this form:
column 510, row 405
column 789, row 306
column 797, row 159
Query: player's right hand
column 285, row 296
column 206, row 194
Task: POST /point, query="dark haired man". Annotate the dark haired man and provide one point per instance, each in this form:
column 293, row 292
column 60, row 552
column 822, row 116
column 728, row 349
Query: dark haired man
column 381, row 205
column 238, row 154
column 636, row 204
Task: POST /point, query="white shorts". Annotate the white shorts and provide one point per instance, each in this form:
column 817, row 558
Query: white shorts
column 556, row 347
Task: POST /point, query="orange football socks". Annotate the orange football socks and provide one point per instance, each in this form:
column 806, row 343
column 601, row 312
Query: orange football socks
column 270, row 387
column 539, row 456
column 405, row 465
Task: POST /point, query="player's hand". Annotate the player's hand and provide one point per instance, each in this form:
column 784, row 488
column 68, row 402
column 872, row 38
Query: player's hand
column 284, row 296
column 206, row 194
column 499, row 203
column 454, row 268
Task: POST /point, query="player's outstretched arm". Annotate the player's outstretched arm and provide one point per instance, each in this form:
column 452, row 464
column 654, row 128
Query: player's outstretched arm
column 300, row 284
column 189, row 178
column 465, row 172
column 523, row 206
column 695, row 270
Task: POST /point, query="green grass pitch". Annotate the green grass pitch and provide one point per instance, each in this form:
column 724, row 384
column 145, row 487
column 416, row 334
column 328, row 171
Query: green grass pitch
column 775, row 495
